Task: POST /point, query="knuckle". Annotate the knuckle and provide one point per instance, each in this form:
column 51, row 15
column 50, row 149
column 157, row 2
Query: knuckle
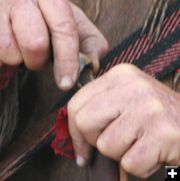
column 66, row 28
column 104, row 47
column 103, row 146
column 127, row 68
column 5, row 42
column 78, row 13
column 173, row 157
column 122, row 70
column 18, row 2
column 71, row 108
column 39, row 45
column 139, row 175
column 80, row 122
column 15, row 6
column 143, row 176
column 129, row 167
column 9, row 53
column 14, row 60
column 156, row 107
column 143, row 85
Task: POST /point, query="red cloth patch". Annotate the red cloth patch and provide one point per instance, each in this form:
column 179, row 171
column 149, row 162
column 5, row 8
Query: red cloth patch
column 178, row 70
column 6, row 74
column 62, row 144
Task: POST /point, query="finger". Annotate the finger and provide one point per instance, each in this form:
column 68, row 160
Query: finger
column 101, row 115
column 92, row 42
column 9, row 51
column 75, row 104
column 65, row 40
column 111, row 79
column 142, row 152
column 105, row 105
column 82, row 153
column 85, row 129
column 90, row 90
column 31, row 34
column 83, row 97
column 171, row 154
column 118, row 136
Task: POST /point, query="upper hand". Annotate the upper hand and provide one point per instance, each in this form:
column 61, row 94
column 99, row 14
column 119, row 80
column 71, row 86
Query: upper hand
column 27, row 26
column 130, row 117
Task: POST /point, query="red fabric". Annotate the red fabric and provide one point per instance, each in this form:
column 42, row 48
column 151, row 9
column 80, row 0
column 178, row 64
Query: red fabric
column 178, row 70
column 62, row 144
column 6, row 73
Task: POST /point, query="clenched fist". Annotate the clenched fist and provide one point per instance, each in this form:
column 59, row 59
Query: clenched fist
column 129, row 117
column 28, row 28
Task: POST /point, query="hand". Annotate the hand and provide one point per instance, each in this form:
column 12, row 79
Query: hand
column 129, row 117
column 28, row 27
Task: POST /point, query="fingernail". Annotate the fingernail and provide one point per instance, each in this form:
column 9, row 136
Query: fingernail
column 66, row 82
column 80, row 161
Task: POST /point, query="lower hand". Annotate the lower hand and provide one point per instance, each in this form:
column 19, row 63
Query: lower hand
column 129, row 117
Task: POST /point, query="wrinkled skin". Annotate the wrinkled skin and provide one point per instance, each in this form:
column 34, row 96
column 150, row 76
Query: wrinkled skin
column 129, row 117
column 28, row 29
column 139, row 114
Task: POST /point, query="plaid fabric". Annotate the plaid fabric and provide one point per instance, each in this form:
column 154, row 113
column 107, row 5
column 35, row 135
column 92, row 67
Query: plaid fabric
column 160, row 58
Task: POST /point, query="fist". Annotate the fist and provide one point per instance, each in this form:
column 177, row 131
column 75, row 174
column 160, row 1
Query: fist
column 129, row 117
column 29, row 28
